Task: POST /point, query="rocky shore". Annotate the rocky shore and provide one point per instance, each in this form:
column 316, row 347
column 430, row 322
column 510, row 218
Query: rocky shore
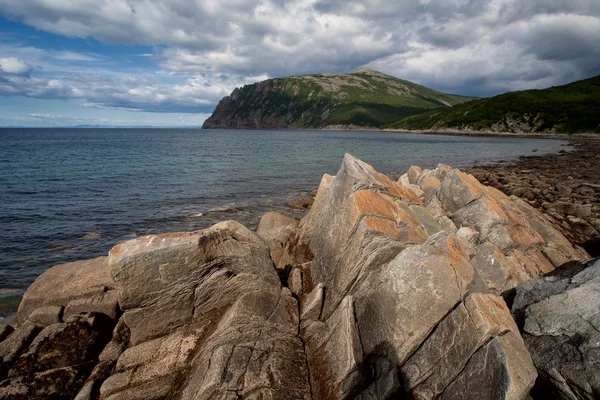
column 564, row 186
column 431, row 287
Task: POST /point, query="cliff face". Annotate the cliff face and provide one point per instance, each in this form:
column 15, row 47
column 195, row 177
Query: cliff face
column 362, row 98
column 384, row 290
column 570, row 108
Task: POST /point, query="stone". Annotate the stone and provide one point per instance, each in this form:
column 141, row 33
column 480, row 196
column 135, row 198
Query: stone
column 12, row 347
column 226, row 327
column 276, row 226
column 458, row 190
column 48, row 315
column 182, row 275
column 429, row 186
column 63, row 283
column 295, row 281
column 560, row 320
column 470, row 235
column 497, row 271
column 396, row 311
column 65, row 344
column 427, row 220
column 105, row 302
column 436, row 367
column 499, row 370
column 414, row 172
column 313, row 304
column 335, row 356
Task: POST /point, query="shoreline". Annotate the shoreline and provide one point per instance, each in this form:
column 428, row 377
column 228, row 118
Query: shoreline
column 565, row 187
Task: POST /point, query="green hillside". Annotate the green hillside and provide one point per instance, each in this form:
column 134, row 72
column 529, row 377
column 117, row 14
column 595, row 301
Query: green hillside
column 564, row 109
column 364, row 98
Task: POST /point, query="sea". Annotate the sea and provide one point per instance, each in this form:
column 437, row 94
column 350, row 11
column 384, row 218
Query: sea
column 72, row 194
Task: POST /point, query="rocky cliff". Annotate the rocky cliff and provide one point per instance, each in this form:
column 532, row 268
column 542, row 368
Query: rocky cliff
column 384, row 290
column 363, row 98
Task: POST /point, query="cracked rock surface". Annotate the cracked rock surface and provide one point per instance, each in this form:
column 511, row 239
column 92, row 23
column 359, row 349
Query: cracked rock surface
column 560, row 317
column 384, row 290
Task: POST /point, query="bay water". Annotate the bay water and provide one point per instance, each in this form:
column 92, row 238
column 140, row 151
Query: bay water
column 72, row 194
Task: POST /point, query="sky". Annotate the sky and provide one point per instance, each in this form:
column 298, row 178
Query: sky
column 169, row 62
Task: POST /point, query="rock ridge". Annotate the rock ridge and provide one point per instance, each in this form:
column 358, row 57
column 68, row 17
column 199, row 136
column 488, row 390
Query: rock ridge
column 385, row 289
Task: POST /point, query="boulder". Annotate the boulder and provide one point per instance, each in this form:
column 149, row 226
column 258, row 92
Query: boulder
column 480, row 323
column 276, row 226
column 182, row 276
column 560, row 320
column 62, row 284
column 226, row 325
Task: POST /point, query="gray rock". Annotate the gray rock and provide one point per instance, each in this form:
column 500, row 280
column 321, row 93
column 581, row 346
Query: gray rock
column 499, row 370
column 276, row 226
column 560, row 319
column 443, row 357
column 180, row 276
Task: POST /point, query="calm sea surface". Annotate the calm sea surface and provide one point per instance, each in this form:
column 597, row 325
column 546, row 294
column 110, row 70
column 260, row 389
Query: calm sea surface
column 71, row 194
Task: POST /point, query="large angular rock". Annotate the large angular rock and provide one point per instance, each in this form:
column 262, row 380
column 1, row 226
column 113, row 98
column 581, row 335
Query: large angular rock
column 560, row 318
column 181, row 276
column 439, row 365
column 362, row 221
column 208, row 319
column 76, row 281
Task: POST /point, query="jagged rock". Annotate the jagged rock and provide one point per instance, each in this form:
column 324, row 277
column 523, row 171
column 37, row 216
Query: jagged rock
column 386, row 284
column 437, row 368
column 499, row 370
column 65, row 283
column 405, row 267
column 64, row 345
column 226, row 326
column 181, row 276
column 276, row 226
column 58, row 360
column 560, row 318
column 305, row 202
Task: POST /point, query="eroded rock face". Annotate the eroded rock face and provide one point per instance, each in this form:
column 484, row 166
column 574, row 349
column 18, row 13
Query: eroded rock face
column 208, row 319
column 560, row 318
column 410, row 262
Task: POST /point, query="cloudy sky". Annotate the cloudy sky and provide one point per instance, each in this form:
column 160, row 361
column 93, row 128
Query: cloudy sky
column 169, row 62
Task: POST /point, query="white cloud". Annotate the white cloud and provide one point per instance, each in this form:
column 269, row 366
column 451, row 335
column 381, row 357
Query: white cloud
column 12, row 65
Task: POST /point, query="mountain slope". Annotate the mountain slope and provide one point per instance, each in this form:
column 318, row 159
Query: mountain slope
column 570, row 108
column 364, row 98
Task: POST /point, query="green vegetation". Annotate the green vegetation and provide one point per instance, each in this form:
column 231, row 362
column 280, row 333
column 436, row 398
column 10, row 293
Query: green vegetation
column 364, row 98
column 565, row 109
